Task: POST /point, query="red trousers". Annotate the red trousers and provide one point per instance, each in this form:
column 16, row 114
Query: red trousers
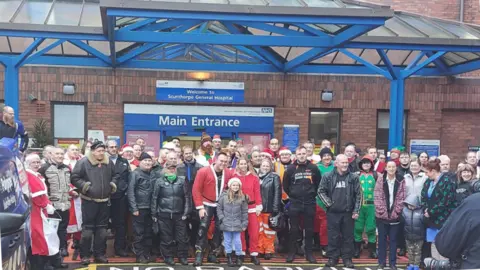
column 320, row 225
column 253, row 230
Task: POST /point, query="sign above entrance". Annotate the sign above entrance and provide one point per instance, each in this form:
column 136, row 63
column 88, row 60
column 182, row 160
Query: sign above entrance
column 204, row 92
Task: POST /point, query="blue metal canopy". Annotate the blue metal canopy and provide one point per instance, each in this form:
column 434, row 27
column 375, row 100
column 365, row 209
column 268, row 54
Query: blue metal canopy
column 288, row 36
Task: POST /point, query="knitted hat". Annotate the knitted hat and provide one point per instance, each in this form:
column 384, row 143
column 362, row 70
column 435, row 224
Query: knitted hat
column 239, row 140
column 97, row 144
column 216, row 137
column 284, row 150
column 205, row 137
column 395, row 150
column 366, row 158
column 144, row 156
column 234, row 180
column 326, row 151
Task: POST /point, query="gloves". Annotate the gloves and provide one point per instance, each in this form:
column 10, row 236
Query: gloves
column 114, row 187
column 86, row 187
column 50, row 209
column 154, row 219
column 184, row 217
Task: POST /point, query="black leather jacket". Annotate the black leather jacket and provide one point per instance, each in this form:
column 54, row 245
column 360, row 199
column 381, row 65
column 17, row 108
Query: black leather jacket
column 353, row 189
column 140, row 189
column 171, row 198
column 271, row 191
column 95, row 180
column 122, row 169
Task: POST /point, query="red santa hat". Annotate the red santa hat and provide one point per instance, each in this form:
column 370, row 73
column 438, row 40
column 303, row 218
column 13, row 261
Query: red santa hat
column 284, row 150
column 126, row 148
column 268, row 152
column 216, row 137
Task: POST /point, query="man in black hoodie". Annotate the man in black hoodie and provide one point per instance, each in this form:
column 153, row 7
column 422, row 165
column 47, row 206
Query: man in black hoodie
column 341, row 192
column 300, row 182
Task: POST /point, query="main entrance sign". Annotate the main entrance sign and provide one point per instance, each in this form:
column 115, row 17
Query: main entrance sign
column 194, row 91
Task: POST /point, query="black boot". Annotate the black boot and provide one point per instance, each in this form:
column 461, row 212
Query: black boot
column 358, row 247
column 290, row 257
column 198, row 258
column 300, row 251
column 169, row 261
column 268, row 256
column 212, row 258
column 85, row 261
column 64, row 252
column 310, row 258
column 331, row 262
column 348, row 263
column 229, row 260
column 142, row 259
column 372, row 248
column 101, row 259
column 57, row 262
column 254, row 260
column 240, row 260
column 184, row 261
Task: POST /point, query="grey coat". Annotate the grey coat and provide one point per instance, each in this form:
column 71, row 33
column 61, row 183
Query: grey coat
column 58, row 182
column 414, row 220
column 233, row 217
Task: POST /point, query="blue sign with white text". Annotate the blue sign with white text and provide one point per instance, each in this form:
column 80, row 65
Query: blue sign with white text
column 291, row 136
column 193, row 91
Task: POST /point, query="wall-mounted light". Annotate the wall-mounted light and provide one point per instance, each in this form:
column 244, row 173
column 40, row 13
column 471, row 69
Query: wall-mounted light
column 32, row 98
column 199, row 76
column 327, row 95
column 68, row 88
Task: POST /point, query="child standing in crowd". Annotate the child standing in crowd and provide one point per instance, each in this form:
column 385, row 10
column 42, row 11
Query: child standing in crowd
column 232, row 211
column 414, row 229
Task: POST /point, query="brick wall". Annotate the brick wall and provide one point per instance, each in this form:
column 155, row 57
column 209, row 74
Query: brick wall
column 358, row 97
column 445, row 9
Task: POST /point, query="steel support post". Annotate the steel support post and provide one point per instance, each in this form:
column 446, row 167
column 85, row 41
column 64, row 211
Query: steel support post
column 397, row 105
column 11, row 86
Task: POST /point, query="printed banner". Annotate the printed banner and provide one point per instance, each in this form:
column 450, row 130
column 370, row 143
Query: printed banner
column 152, row 139
column 291, row 136
column 195, row 91
column 432, row 147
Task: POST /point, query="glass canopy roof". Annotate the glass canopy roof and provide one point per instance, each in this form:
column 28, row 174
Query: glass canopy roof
column 86, row 13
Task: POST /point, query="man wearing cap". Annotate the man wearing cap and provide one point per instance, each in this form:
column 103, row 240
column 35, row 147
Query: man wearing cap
column 207, row 188
column 139, row 195
column 300, row 182
column 95, row 178
column 205, row 153
column 118, row 212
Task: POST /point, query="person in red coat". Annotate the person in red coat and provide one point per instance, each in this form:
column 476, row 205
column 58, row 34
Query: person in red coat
column 208, row 186
column 251, row 188
column 42, row 251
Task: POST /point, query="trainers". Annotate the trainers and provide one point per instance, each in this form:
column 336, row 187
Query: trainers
column 85, row 261
column 169, row 261
column 183, row 261
column 310, row 258
column 381, row 267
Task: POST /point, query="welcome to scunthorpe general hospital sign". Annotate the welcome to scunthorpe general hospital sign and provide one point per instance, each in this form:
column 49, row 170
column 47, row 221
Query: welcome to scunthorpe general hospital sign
column 195, row 91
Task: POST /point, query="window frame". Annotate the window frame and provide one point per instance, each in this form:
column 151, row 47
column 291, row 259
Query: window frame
column 85, row 110
column 327, row 110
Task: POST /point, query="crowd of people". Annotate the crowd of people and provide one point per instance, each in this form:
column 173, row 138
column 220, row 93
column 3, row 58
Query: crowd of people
column 260, row 202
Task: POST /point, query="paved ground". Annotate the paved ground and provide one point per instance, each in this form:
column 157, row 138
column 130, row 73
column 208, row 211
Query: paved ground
column 265, row 266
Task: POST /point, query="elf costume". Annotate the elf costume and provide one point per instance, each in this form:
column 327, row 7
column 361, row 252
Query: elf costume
column 320, row 221
column 366, row 219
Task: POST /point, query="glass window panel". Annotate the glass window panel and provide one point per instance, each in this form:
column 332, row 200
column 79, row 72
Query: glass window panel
column 102, row 46
column 327, row 59
column 371, row 56
column 47, row 42
column 458, row 30
column 381, row 31
column 397, row 57
column 467, row 55
column 454, row 58
column 63, row 117
column 65, row 13
column 288, row 3
column 34, row 11
column 324, row 125
column 330, row 28
column 429, row 29
column 91, row 15
column 282, row 51
column 401, row 29
column 354, row 6
column 4, row 45
column 296, row 51
column 210, row 1
column 343, row 59
column 8, row 8
column 70, row 49
column 321, row 3
column 122, row 45
column 19, row 44
column 248, row 2
column 448, row 61
column 258, row 32
column 411, row 57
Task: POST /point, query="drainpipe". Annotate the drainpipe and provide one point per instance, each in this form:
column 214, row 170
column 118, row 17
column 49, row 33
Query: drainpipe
column 462, row 3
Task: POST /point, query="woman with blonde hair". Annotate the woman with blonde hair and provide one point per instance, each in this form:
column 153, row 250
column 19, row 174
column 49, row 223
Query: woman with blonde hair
column 465, row 178
column 251, row 188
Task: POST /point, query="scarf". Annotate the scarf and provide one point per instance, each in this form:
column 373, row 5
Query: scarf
column 171, row 177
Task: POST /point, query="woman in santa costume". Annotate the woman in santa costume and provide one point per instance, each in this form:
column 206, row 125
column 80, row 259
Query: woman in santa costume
column 41, row 252
column 74, row 228
column 251, row 188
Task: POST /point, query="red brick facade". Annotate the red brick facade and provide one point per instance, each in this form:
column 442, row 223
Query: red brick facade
column 438, row 108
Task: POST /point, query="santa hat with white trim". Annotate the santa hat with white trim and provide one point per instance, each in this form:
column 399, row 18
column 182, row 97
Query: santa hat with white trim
column 126, row 148
column 284, row 150
column 216, row 137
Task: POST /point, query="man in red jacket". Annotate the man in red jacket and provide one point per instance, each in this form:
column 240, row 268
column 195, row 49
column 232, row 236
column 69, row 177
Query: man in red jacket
column 207, row 188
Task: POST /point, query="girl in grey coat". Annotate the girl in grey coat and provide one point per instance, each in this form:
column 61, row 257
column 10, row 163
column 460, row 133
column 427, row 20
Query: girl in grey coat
column 232, row 212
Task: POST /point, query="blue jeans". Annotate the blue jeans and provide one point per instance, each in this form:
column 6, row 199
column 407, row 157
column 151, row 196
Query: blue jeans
column 232, row 239
column 391, row 231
